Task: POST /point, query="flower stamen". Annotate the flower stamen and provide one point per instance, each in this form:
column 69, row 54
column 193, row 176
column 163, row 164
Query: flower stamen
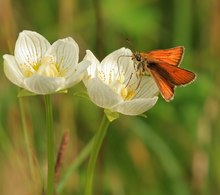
column 27, row 69
column 127, row 94
column 48, row 67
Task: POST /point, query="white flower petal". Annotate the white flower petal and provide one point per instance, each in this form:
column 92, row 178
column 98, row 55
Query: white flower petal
column 12, row 70
column 77, row 75
column 44, row 85
column 30, row 48
column 65, row 52
column 110, row 64
column 101, row 94
column 147, row 87
column 92, row 69
column 135, row 106
column 126, row 65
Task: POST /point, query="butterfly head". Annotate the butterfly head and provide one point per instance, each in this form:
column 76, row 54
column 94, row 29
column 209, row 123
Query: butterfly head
column 137, row 57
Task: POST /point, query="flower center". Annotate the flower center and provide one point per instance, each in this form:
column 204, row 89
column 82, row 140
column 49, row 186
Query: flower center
column 27, row 69
column 118, row 84
column 127, row 93
column 48, row 67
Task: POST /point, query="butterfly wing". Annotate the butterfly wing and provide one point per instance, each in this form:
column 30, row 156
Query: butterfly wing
column 167, row 77
column 166, row 88
column 175, row 75
column 172, row 56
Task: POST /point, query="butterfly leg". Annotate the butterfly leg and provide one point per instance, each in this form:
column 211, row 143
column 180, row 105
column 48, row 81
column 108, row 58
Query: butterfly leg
column 139, row 82
column 145, row 70
column 129, row 80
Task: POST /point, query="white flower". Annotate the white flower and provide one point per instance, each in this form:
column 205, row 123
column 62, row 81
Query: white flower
column 114, row 85
column 42, row 68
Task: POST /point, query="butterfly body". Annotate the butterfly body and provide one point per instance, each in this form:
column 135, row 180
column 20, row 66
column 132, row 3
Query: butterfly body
column 163, row 66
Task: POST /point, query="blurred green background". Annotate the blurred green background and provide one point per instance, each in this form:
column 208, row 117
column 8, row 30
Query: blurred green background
column 175, row 150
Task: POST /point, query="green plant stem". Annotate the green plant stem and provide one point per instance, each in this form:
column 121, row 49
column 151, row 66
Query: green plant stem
column 50, row 145
column 93, row 157
column 76, row 163
column 26, row 137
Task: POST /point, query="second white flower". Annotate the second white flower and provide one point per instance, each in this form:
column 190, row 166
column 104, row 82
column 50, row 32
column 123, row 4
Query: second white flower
column 114, row 85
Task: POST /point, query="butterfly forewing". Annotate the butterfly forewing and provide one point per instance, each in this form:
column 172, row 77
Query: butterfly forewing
column 172, row 56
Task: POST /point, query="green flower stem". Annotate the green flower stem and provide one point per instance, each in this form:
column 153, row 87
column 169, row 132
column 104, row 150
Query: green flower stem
column 26, row 137
column 50, row 145
column 93, row 157
column 76, row 163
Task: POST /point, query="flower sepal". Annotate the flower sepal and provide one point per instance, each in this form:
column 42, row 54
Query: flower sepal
column 111, row 115
column 25, row 93
column 82, row 94
column 143, row 115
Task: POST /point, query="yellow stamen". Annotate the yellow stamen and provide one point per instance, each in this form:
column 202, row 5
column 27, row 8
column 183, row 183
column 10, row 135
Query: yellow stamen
column 27, row 69
column 48, row 67
column 127, row 94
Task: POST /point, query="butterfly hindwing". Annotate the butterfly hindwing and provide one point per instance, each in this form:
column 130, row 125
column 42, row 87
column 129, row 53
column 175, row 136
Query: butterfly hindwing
column 166, row 88
column 175, row 75
column 167, row 77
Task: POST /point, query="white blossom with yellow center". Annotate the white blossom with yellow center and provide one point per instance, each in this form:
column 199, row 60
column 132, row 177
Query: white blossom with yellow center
column 114, row 85
column 42, row 68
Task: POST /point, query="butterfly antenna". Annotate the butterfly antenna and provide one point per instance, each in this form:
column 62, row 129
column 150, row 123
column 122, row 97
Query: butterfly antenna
column 119, row 66
column 129, row 43
column 119, row 63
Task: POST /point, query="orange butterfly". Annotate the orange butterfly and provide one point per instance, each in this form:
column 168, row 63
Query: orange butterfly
column 163, row 66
